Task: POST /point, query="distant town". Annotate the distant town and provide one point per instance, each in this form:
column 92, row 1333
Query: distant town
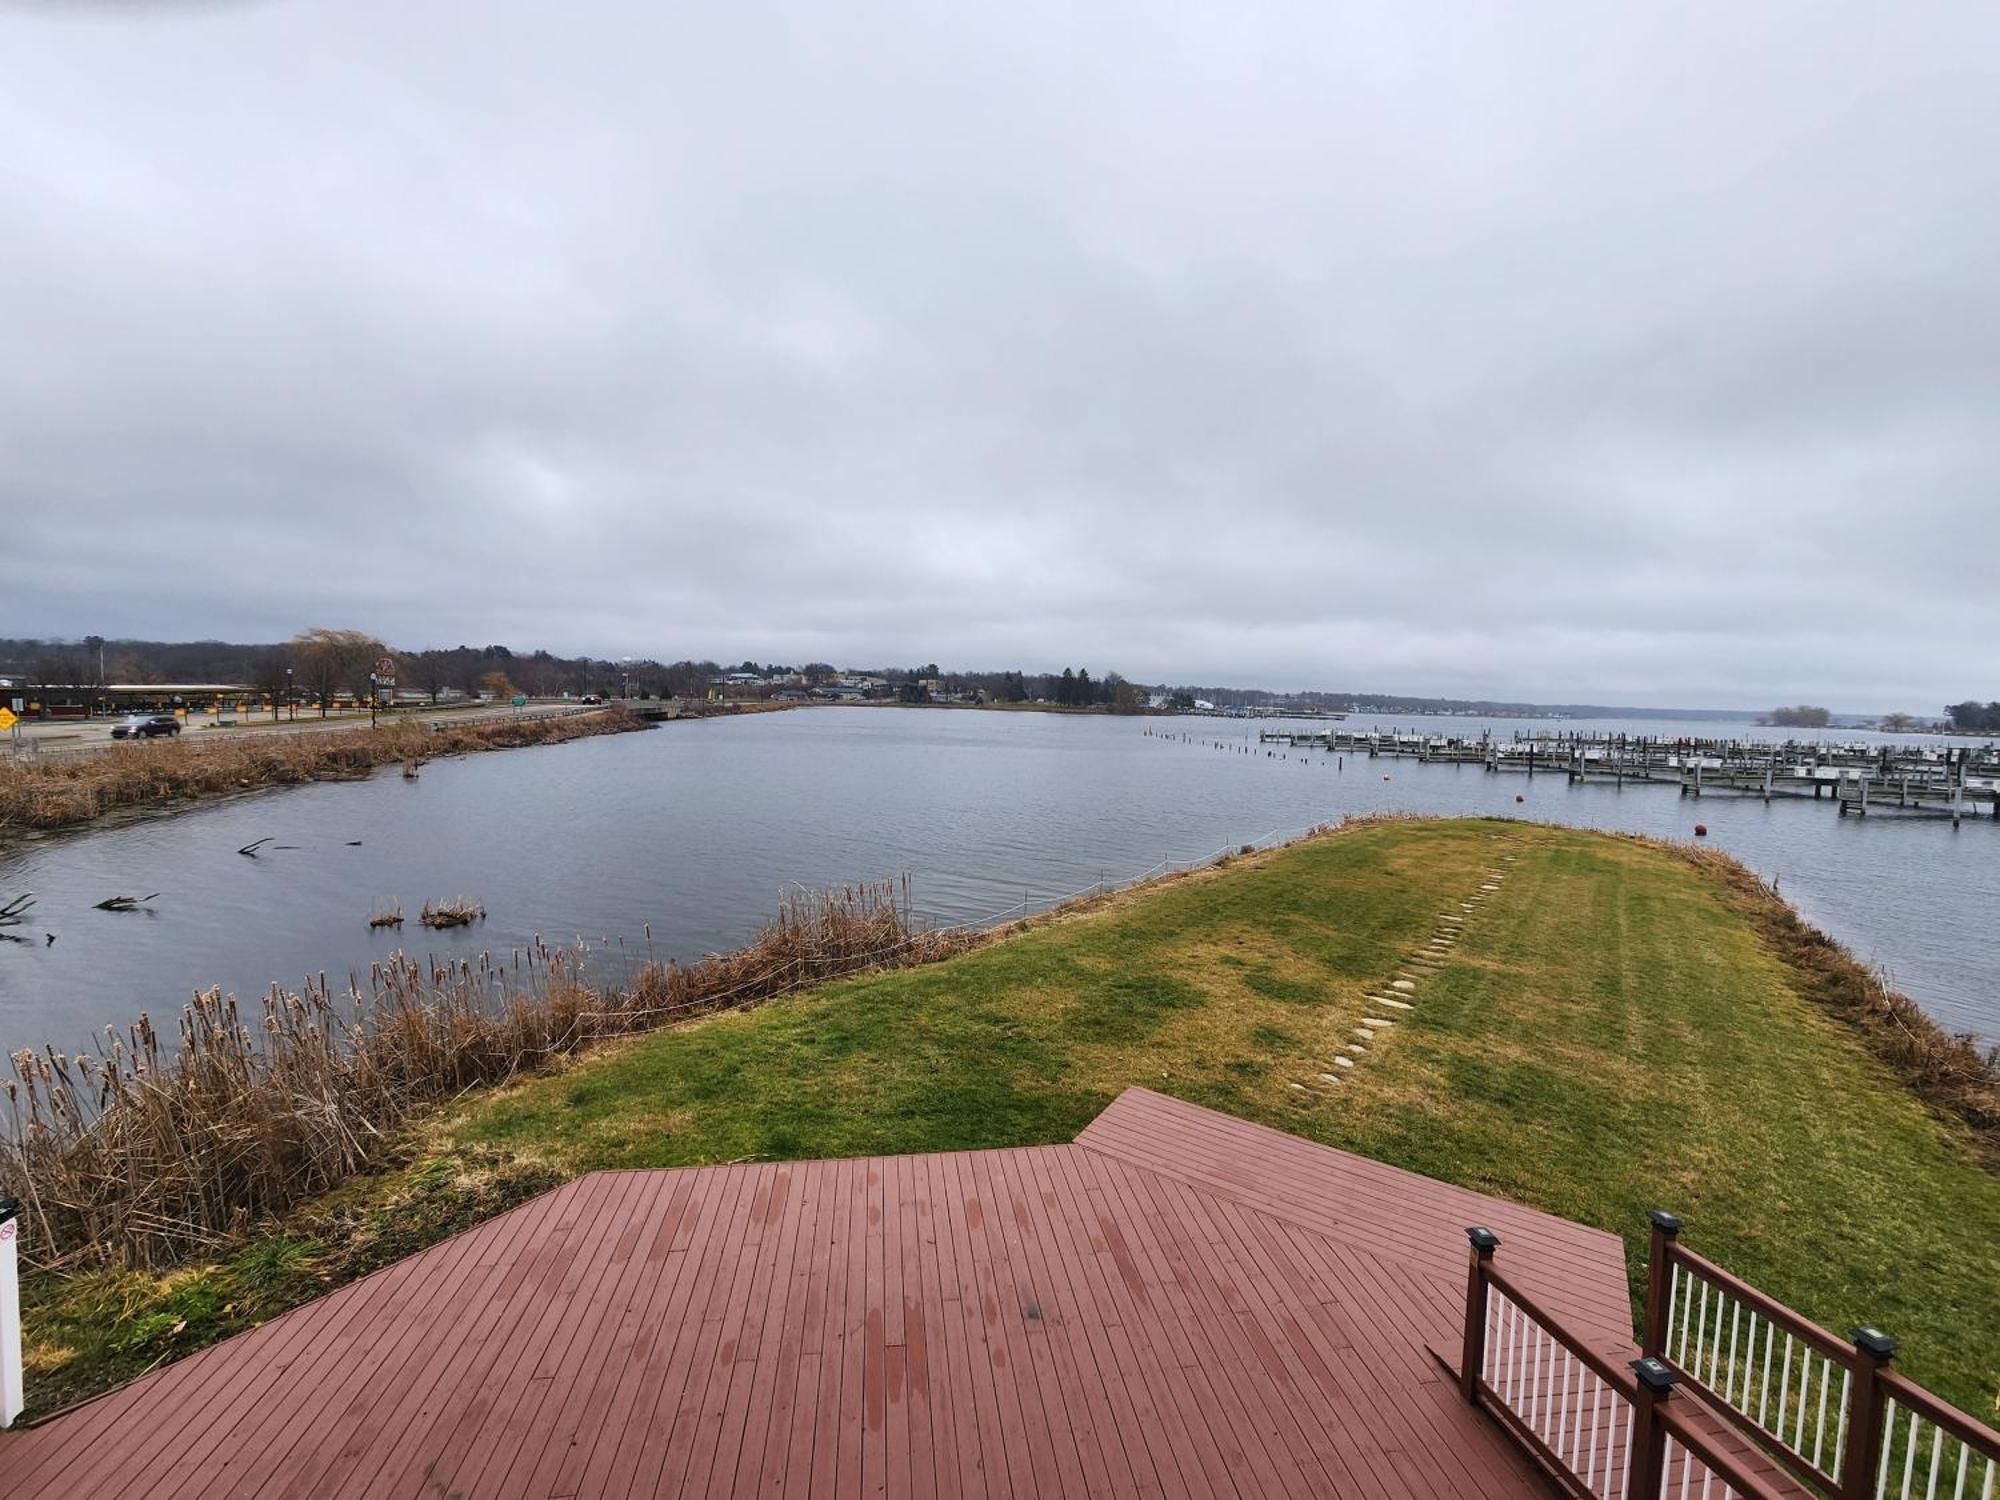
column 325, row 670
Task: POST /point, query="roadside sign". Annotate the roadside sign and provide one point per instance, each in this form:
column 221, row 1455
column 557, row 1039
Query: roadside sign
column 385, row 668
column 520, row 700
column 7, row 719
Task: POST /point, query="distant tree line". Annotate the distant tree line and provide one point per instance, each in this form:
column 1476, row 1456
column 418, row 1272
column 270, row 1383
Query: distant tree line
column 326, row 664
column 1800, row 716
column 334, row 668
column 1973, row 716
column 1073, row 687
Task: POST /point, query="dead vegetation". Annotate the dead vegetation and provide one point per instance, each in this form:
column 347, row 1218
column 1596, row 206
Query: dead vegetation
column 458, row 913
column 155, row 1148
column 58, row 791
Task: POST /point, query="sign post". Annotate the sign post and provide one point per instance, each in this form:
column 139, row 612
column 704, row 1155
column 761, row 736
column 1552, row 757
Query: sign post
column 380, row 681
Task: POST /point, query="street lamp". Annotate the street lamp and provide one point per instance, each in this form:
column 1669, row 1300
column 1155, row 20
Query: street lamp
column 291, row 703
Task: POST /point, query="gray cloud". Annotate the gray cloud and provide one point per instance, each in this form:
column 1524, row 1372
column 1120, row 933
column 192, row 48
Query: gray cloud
column 1642, row 354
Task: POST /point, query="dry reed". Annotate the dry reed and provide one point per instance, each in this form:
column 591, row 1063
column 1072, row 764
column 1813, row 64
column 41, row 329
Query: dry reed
column 146, row 1152
column 56, row 791
column 459, row 913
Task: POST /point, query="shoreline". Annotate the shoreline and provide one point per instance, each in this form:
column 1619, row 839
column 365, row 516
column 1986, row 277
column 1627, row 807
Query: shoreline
column 421, row 1181
column 122, row 783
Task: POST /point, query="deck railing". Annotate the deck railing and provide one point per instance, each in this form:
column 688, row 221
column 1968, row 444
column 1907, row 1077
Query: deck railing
column 1833, row 1411
column 1602, row 1430
column 1829, row 1413
column 1779, row 1376
column 1932, row 1449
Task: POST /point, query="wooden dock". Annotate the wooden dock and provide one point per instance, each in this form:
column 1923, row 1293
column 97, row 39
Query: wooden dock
column 1956, row 782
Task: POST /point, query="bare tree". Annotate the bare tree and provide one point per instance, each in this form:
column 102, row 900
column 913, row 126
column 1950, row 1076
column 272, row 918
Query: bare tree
column 329, row 660
column 430, row 672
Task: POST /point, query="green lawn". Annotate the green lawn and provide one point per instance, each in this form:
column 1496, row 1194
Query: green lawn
column 1609, row 1036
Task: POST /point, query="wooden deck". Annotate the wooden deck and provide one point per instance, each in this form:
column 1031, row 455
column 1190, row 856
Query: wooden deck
column 1177, row 1304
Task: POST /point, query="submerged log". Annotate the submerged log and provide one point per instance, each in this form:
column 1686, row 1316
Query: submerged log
column 124, row 903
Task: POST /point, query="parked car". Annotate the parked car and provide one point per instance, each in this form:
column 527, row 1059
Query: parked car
column 145, row 727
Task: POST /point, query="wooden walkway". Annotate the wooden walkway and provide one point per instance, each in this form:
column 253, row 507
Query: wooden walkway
column 1177, row 1304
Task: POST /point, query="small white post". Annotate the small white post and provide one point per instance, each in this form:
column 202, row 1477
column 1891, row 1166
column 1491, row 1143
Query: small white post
column 12, row 1396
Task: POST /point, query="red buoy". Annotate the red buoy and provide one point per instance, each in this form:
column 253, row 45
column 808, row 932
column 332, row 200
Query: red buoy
column 1701, row 830
column 1519, row 798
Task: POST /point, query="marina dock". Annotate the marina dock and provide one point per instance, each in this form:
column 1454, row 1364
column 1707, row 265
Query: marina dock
column 1952, row 781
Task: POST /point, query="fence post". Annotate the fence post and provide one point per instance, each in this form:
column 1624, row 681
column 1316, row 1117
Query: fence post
column 1649, row 1434
column 13, row 1395
column 1865, row 1414
column 1472, row 1358
column 1659, row 1283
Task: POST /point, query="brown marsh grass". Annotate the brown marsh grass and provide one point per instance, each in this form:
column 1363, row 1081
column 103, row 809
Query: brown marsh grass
column 455, row 913
column 155, row 1148
column 57, row 791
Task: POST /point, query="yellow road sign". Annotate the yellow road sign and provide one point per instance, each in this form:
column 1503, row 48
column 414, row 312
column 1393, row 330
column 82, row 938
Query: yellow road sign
column 7, row 720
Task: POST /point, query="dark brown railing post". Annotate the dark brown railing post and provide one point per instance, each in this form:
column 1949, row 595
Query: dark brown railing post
column 1659, row 1283
column 1472, row 1359
column 1865, row 1404
column 1649, row 1434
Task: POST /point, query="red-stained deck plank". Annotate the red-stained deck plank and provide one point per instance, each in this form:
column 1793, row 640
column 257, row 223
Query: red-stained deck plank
column 1576, row 1270
column 493, row 1420
column 1176, row 1306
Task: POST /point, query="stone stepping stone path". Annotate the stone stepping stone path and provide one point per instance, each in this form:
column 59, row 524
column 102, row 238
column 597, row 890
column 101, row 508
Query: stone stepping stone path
column 1404, row 989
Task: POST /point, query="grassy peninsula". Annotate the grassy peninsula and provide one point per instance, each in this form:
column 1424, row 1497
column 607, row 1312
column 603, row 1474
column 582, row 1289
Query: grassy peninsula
column 1620, row 1026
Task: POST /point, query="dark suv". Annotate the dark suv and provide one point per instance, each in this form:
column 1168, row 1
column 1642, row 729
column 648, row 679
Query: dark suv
column 146, row 727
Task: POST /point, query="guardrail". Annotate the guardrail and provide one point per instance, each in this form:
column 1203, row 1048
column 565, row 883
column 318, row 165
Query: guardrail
column 1771, row 1403
column 1831, row 1409
column 1599, row 1430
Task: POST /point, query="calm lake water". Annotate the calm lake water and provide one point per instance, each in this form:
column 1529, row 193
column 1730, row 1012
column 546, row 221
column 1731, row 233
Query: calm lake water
column 695, row 828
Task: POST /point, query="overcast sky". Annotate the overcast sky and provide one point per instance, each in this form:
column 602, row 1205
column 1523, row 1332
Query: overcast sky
column 1631, row 353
